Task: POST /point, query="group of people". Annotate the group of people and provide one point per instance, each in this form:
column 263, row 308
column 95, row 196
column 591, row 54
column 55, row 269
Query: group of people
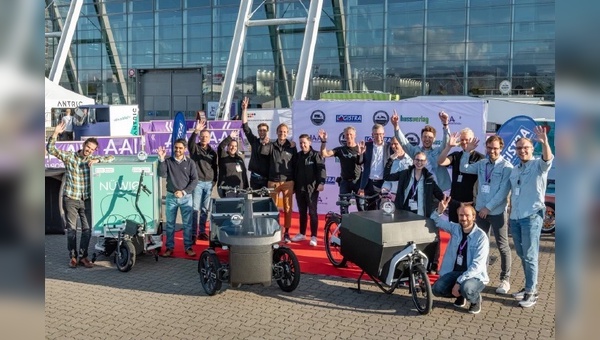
column 483, row 190
column 277, row 165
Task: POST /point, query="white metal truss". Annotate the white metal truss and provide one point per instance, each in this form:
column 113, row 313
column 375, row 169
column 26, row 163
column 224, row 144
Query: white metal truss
column 237, row 47
column 66, row 37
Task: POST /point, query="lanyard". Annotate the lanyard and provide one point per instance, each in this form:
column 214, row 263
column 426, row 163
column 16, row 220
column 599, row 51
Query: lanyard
column 488, row 175
column 463, row 245
column 414, row 186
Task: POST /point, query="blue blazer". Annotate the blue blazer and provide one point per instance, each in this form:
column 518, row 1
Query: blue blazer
column 367, row 157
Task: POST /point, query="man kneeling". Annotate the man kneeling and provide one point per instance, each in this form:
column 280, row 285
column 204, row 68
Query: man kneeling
column 464, row 268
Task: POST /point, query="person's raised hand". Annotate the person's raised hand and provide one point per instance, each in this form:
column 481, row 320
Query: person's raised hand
column 245, row 103
column 472, row 145
column 234, row 134
column 362, row 147
column 60, row 128
column 443, row 204
column 444, row 117
column 395, row 119
column 161, row 152
column 454, row 140
column 200, row 125
column 322, row 135
column 540, row 134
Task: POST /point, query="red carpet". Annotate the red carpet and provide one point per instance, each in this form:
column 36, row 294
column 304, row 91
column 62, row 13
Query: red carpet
column 313, row 260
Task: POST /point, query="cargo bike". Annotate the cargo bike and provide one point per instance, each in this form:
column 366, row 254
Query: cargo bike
column 386, row 245
column 248, row 227
column 126, row 223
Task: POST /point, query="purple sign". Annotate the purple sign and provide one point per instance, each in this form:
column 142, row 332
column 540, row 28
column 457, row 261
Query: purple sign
column 145, row 127
column 225, row 124
column 167, row 125
column 156, row 139
column 123, row 146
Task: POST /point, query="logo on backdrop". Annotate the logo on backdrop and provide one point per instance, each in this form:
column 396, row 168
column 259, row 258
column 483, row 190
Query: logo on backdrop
column 381, row 117
column 314, row 138
column 330, row 180
column 348, row 118
column 453, row 121
column 413, row 138
column 317, row 117
column 414, row 119
column 342, row 139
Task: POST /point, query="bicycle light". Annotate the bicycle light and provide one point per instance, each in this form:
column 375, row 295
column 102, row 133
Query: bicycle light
column 236, row 219
column 388, row 207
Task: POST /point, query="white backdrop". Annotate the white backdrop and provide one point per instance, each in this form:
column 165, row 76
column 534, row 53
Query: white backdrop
column 333, row 116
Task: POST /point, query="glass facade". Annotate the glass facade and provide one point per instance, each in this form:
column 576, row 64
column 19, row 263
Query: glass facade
column 405, row 47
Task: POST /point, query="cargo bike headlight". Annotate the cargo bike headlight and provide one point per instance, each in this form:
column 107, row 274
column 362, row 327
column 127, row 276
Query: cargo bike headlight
column 236, row 219
column 388, row 207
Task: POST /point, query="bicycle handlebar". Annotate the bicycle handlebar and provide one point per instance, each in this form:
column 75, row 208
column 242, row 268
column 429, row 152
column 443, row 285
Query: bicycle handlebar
column 346, row 197
column 263, row 190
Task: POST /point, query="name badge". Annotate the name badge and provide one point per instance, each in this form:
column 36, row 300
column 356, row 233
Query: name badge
column 459, row 178
column 485, row 189
column 412, row 204
column 238, row 168
column 517, row 191
column 459, row 260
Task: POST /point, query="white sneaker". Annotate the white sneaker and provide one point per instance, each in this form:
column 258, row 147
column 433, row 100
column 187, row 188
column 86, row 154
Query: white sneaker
column 313, row 241
column 298, row 238
column 503, row 288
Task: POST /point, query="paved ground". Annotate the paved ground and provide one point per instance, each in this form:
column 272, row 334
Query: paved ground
column 164, row 299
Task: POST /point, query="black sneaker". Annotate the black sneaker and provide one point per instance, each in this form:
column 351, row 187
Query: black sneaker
column 475, row 308
column 203, row 237
column 460, row 301
column 286, row 238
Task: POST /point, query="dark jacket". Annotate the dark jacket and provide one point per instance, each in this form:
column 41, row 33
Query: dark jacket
column 282, row 159
column 368, row 157
column 229, row 167
column 310, row 171
column 430, row 188
column 180, row 176
column 258, row 163
column 206, row 160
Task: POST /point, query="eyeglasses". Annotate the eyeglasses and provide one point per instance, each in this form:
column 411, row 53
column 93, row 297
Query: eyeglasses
column 523, row 147
column 489, row 148
column 420, row 160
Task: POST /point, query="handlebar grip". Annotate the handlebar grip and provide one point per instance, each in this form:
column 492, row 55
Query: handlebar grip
column 145, row 189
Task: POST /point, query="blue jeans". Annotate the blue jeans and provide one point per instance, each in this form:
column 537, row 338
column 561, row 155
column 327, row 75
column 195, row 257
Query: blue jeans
column 201, row 205
column 470, row 289
column 184, row 203
column 526, row 235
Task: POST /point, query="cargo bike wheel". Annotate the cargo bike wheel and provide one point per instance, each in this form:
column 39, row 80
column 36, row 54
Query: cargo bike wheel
column 208, row 268
column 125, row 256
column 333, row 242
column 420, row 289
column 286, row 269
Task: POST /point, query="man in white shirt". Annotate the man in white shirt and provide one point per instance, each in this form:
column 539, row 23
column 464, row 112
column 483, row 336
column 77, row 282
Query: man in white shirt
column 376, row 154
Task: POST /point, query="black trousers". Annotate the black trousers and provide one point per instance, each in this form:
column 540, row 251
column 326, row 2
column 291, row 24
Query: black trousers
column 308, row 201
column 373, row 187
column 258, row 182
